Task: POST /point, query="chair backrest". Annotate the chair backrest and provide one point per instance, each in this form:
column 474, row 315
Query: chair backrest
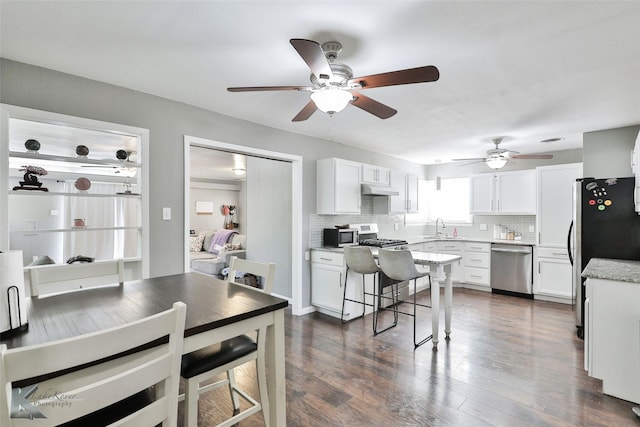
column 264, row 270
column 83, row 391
column 360, row 259
column 54, row 278
column 398, row 264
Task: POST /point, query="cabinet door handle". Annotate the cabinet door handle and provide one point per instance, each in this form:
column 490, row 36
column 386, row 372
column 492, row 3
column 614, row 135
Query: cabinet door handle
column 325, row 259
column 476, row 276
column 475, row 260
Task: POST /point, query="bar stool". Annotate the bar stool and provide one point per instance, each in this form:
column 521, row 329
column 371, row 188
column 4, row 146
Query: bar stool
column 399, row 266
column 360, row 260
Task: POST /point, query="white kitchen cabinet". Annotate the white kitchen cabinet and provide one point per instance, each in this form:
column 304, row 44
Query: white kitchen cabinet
column 375, row 175
column 553, row 275
column 477, row 264
column 505, row 193
column 453, row 248
column 635, row 166
column 328, row 271
column 405, row 202
column 338, row 187
column 612, row 336
column 92, row 199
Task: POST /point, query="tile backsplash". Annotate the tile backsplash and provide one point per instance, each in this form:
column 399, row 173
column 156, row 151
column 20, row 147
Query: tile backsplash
column 386, row 224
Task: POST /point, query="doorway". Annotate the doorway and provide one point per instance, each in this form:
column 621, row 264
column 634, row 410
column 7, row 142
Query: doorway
column 270, row 228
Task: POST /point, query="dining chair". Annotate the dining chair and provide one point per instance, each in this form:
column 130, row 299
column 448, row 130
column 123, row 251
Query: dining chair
column 359, row 259
column 399, row 266
column 211, row 361
column 127, row 375
column 55, row 278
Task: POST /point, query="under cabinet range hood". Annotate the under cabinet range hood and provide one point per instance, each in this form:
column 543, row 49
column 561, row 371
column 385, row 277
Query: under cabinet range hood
column 378, row 190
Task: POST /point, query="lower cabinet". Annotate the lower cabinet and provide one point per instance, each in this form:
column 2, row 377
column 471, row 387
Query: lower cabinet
column 612, row 336
column 328, row 271
column 454, row 248
column 477, row 265
column 553, row 275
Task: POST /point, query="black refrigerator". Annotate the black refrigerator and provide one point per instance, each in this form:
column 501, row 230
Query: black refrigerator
column 605, row 225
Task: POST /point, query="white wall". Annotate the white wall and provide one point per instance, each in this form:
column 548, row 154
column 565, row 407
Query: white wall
column 218, row 197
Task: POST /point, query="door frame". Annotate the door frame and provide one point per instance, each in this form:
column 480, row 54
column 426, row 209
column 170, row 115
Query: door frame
column 296, row 205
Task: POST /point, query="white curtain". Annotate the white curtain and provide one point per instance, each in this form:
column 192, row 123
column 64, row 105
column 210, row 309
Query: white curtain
column 105, row 213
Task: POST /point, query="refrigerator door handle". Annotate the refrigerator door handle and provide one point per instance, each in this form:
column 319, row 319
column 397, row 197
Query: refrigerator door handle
column 569, row 243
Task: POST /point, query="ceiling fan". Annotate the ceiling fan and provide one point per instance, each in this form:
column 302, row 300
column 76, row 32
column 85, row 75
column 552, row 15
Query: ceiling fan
column 498, row 157
column 333, row 86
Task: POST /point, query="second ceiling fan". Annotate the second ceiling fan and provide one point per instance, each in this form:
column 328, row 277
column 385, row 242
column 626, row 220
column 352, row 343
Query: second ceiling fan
column 333, row 86
column 498, row 157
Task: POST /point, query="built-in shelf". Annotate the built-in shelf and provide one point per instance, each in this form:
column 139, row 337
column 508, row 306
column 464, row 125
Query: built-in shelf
column 58, row 193
column 77, row 229
column 79, row 160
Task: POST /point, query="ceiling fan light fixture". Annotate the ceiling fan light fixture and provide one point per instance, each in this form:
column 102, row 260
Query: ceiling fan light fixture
column 331, row 100
column 497, row 162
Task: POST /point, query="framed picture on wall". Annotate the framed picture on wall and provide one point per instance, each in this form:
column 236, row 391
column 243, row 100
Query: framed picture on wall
column 205, row 208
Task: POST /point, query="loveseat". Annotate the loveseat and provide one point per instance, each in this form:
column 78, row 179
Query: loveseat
column 211, row 251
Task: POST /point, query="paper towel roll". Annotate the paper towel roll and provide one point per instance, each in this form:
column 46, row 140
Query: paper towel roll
column 12, row 274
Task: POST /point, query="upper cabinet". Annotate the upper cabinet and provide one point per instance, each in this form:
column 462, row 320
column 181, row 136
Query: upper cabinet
column 405, row 202
column 505, row 193
column 555, row 202
column 72, row 187
column 338, row 187
column 375, row 175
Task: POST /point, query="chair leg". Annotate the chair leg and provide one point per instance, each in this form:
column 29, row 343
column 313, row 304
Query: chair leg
column 344, row 295
column 191, row 403
column 232, row 391
column 261, row 369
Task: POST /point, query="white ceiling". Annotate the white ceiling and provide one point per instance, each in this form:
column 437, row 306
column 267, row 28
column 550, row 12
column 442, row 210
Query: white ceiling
column 525, row 70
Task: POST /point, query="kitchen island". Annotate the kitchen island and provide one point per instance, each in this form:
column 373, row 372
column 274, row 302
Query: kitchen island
column 612, row 326
column 327, row 275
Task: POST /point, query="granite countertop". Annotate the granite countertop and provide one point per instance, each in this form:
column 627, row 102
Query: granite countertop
column 613, row 269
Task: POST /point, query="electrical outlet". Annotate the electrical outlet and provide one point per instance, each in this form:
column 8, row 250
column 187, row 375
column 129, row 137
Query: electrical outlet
column 54, row 212
column 306, row 255
column 396, row 226
column 483, row 227
column 532, row 228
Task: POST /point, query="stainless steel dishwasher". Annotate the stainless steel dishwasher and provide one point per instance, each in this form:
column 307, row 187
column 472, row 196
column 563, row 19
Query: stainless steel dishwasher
column 512, row 269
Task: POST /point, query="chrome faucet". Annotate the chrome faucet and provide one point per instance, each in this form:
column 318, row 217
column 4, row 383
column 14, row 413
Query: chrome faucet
column 443, row 226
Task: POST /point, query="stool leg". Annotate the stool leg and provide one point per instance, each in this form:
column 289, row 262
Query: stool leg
column 415, row 291
column 363, row 297
column 344, row 294
column 378, row 289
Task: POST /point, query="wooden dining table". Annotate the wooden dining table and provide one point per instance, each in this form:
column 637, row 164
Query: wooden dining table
column 216, row 310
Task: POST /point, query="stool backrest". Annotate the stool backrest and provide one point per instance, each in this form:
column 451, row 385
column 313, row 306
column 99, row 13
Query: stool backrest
column 360, row 259
column 398, row 264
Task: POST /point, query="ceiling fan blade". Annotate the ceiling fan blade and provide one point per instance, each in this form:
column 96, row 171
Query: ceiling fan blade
column 479, row 159
column 532, row 156
column 371, row 106
column 473, row 162
column 262, row 88
column 312, row 53
column 424, row 74
column 306, row 112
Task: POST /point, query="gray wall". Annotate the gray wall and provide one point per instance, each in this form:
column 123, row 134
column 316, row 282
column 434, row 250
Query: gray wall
column 607, row 152
column 168, row 121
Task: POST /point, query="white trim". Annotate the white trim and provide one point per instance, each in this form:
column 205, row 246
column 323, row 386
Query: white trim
column 296, row 203
column 11, row 111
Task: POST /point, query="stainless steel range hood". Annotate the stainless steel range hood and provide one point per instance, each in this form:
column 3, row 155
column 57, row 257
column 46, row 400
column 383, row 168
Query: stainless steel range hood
column 378, row 190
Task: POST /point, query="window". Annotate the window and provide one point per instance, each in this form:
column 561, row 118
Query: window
column 451, row 202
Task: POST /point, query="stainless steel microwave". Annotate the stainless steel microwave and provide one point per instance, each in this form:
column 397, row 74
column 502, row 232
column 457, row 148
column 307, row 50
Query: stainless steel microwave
column 340, row 237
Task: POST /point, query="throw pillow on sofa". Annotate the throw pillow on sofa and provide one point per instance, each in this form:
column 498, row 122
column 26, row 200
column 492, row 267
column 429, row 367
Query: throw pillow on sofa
column 195, row 244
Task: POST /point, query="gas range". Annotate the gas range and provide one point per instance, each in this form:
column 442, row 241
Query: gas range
column 368, row 236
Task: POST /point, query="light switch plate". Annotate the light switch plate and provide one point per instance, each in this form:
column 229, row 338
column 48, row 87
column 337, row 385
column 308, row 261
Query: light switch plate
column 166, row 214
column 483, row 227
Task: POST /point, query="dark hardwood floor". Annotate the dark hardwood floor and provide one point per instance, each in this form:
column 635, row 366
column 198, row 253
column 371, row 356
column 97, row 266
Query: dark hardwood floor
column 510, row 362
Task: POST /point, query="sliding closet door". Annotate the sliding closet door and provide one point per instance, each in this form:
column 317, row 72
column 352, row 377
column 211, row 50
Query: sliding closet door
column 268, row 221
